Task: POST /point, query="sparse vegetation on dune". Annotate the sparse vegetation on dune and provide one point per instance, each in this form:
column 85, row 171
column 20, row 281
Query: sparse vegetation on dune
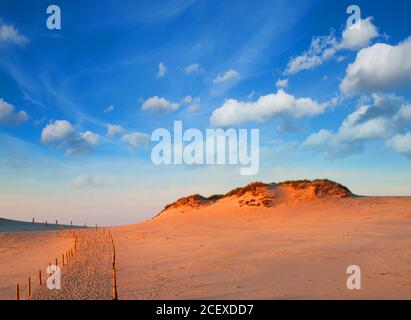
column 321, row 188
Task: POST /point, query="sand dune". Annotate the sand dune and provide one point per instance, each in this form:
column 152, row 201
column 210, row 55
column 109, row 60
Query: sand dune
column 296, row 248
column 264, row 241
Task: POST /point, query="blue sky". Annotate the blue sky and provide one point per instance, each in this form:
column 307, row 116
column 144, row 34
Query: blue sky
column 329, row 102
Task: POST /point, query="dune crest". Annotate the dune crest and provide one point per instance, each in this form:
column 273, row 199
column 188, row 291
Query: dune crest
column 259, row 194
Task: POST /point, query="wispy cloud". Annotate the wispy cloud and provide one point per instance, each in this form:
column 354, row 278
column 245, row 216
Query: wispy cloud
column 162, row 70
column 113, row 130
column 323, row 48
column 226, row 76
column 109, row 109
column 194, row 68
column 93, row 181
column 136, row 140
column 10, row 35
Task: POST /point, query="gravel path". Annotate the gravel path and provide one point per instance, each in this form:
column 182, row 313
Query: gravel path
column 88, row 275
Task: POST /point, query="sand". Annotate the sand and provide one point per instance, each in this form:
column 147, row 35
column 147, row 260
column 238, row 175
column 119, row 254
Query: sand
column 23, row 254
column 87, row 276
column 294, row 250
column 298, row 250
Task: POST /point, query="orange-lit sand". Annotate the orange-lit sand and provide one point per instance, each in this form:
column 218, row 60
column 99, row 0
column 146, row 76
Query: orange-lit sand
column 283, row 242
column 298, row 250
column 23, row 254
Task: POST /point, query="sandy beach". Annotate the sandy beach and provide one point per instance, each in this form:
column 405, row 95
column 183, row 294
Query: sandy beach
column 258, row 242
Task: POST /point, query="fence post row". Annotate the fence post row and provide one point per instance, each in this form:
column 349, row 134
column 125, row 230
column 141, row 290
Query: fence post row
column 68, row 253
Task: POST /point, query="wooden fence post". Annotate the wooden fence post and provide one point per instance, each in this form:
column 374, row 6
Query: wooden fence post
column 29, row 288
column 115, row 296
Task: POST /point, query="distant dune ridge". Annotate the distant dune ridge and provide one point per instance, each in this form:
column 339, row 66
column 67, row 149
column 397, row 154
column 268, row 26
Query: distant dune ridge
column 258, row 194
column 7, row 225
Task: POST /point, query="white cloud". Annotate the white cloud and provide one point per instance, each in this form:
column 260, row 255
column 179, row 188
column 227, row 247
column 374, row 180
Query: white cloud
column 194, row 68
column 114, row 129
column 162, row 70
column 404, row 115
column 93, row 181
column 159, row 104
column 378, row 68
column 331, row 144
column 401, row 143
column 8, row 115
column 227, row 76
column 192, row 104
column 109, row 109
column 323, row 48
column 57, row 131
column 234, row 112
column 89, row 137
column 282, row 83
column 82, row 143
column 10, row 35
column 62, row 134
column 359, row 35
column 383, row 118
column 136, row 139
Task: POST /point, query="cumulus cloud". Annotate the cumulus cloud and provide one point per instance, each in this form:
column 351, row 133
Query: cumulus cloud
column 57, row 131
column 378, row 68
column 93, row 181
column 9, row 116
column 136, row 140
column 114, row 129
column 359, row 35
column 227, row 76
column 159, row 104
column 194, row 68
column 109, row 109
column 323, row 48
column 10, row 35
column 282, row 83
column 162, row 70
column 386, row 116
column 62, row 134
column 193, row 104
column 234, row 112
column 400, row 143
